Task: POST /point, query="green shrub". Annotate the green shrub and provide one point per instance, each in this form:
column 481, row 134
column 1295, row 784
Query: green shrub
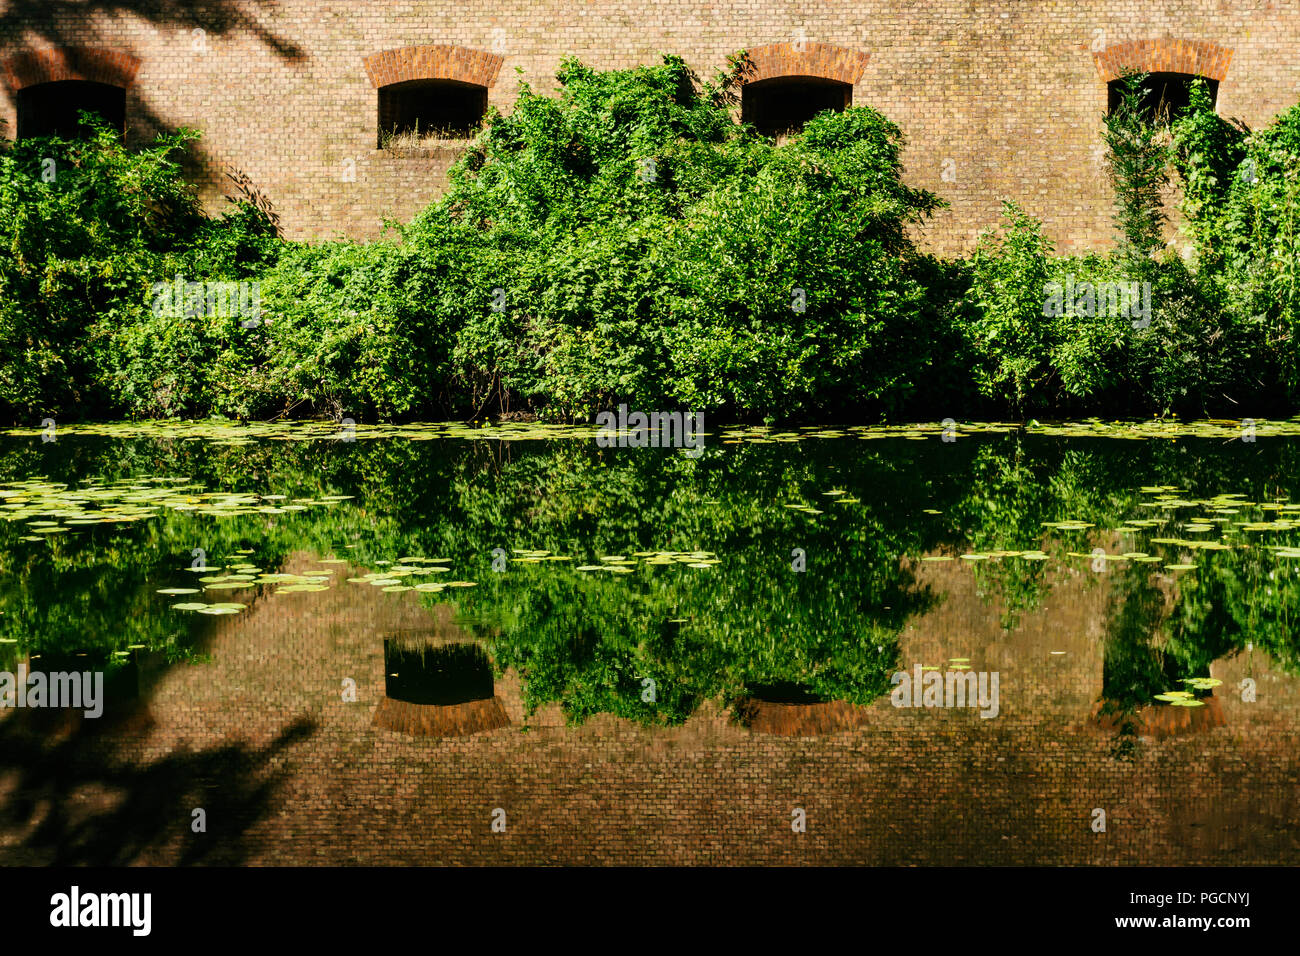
column 1242, row 202
column 1137, row 159
column 1011, row 341
column 90, row 227
column 349, row 331
column 628, row 241
column 651, row 250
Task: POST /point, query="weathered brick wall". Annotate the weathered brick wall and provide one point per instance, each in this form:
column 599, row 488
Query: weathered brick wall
column 1000, row 99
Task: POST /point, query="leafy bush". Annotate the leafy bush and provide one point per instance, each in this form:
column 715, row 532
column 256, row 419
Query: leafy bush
column 628, row 241
column 1169, row 348
column 1137, row 158
column 648, row 249
column 1242, row 197
column 1011, row 340
column 350, row 330
column 90, row 227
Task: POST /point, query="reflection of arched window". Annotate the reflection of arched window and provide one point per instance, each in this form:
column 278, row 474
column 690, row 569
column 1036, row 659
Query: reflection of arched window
column 1167, row 95
column 789, row 709
column 424, row 108
column 91, row 681
column 445, row 675
column 438, row 690
column 784, row 104
column 54, row 109
column 784, row 692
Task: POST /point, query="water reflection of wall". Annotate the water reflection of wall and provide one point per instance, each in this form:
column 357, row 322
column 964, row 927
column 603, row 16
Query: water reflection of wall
column 899, row 787
column 291, row 652
column 1049, row 663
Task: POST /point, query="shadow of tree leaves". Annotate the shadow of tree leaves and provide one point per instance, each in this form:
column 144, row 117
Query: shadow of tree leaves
column 57, row 785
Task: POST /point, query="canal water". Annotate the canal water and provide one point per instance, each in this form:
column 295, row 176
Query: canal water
column 436, row 643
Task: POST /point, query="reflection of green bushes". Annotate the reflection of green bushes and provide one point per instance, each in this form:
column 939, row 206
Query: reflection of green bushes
column 584, row 641
column 1252, row 599
column 1139, row 661
column 588, row 641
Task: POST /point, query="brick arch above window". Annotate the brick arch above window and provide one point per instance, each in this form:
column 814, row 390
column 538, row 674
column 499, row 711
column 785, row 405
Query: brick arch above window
column 806, row 59
column 92, row 64
column 1193, row 57
column 433, row 63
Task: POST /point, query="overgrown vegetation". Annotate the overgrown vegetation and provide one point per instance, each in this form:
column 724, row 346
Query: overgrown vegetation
column 627, row 240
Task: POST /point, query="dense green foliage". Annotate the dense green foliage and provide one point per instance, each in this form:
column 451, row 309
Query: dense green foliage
column 628, row 241
column 1138, row 163
column 1213, row 335
column 88, row 228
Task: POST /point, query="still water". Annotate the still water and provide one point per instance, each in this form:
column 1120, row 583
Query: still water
column 969, row 645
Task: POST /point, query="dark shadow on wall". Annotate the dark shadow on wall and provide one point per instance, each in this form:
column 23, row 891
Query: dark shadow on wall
column 29, row 24
column 85, row 798
column 64, row 22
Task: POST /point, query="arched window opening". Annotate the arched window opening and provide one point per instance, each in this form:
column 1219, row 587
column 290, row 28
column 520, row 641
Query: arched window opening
column 416, row 110
column 782, row 105
column 1167, row 96
column 784, row 692
column 53, row 109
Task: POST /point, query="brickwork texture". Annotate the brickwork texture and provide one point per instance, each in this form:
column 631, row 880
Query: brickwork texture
column 999, row 100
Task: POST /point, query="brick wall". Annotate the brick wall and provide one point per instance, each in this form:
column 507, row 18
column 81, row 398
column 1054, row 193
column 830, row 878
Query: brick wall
column 1000, row 100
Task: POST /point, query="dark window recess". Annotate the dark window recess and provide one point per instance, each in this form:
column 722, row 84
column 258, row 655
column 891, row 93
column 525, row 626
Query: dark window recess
column 451, row 674
column 52, row 109
column 784, row 104
column 784, row 692
column 1167, row 94
column 431, row 108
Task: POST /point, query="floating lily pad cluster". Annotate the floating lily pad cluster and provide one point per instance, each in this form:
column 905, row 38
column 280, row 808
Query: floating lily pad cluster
column 225, row 607
column 402, row 576
column 51, row 508
column 410, row 573
column 1208, row 428
column 622, row 564
column 233, row 434
column 1186, row 698
column 524, row 556
column 768, row 435
column 1230, row 525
